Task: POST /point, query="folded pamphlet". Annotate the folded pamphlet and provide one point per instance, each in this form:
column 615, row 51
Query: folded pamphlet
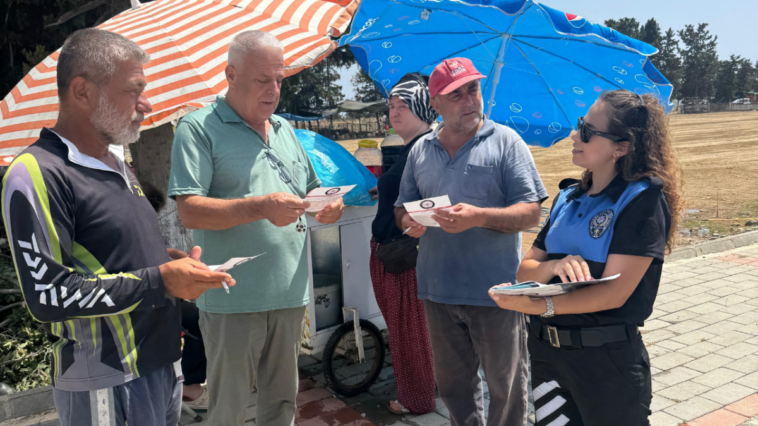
column 535, row 289
column 231, row 263
column 423, row 210
column 322, row 197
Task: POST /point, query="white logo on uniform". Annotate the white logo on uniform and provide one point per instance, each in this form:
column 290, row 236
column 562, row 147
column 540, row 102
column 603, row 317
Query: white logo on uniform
column 38, row 272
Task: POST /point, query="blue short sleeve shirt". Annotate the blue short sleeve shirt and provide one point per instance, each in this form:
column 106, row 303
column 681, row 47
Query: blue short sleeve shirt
column 493, row 169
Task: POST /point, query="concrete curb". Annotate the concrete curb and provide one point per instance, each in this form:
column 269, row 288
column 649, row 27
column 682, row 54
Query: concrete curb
column 22, row 404
column 714, row 246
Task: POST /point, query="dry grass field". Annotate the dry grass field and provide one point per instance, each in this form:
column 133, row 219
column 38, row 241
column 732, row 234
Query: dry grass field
column 719, row 156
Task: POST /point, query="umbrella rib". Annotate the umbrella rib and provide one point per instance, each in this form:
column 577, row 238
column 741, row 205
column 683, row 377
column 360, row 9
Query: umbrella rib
column 495, row 79
column 571, row 62
column 455, row 12
column 416, row 34
column 508, row 31
column 627, row 50
column 550, row 89
column 475, row 34
column 467, row 48
column 463, row 50
column 557, row 40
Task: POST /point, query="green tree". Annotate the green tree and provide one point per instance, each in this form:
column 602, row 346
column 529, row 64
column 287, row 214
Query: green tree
column 626, row 26
column 668, row 61
column 726, row 79
column 32, row 29
column 314, row 89
column 650, row 33
column 365, row 89
column 699, row 61
column 746, row 79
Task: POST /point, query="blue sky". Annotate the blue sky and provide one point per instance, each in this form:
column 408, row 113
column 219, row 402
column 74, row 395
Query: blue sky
column 735, row 22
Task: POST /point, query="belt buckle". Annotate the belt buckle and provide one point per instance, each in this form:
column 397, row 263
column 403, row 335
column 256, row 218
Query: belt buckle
column 552, row 335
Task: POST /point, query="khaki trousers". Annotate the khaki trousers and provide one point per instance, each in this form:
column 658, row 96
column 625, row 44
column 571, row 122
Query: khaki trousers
column 253, row 349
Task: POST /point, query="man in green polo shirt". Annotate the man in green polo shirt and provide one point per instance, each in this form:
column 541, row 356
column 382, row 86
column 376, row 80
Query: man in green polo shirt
column 239, row 177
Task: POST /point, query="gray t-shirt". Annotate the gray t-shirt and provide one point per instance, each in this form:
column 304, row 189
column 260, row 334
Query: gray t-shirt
column 493, row 169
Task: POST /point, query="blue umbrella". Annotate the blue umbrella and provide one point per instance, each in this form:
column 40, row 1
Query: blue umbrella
column 544, row 67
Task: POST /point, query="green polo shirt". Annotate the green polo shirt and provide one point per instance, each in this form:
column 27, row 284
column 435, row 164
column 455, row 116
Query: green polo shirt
column 218, row 155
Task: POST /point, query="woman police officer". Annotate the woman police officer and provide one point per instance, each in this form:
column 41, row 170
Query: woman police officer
column 589, row 365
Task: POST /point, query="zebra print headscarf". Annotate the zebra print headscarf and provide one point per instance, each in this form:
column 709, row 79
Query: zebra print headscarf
column 413, row 91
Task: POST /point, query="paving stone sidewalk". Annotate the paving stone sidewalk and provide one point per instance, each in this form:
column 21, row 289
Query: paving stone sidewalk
column 703, row 343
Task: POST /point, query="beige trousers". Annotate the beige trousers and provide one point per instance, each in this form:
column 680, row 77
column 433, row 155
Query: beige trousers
column 254, row 349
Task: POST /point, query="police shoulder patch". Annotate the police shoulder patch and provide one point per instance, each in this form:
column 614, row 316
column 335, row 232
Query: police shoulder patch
column 600, row 223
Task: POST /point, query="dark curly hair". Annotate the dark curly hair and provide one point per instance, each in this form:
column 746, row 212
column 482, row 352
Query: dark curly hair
column 642, row 121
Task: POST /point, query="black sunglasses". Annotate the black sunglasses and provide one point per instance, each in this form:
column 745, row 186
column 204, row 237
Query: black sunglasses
column 585, row 133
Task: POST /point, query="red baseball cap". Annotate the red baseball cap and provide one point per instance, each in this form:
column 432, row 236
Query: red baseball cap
column 451, row 74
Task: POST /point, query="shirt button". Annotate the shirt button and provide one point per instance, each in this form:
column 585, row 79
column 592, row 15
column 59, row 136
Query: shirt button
column 580, row 215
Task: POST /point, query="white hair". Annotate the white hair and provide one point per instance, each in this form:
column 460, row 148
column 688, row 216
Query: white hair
column 248, row 42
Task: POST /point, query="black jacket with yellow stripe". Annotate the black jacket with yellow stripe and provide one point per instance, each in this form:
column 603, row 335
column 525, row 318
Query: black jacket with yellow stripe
column 86, row 247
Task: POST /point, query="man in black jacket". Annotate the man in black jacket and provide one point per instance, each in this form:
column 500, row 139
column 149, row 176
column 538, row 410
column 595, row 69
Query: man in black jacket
column 88, row 250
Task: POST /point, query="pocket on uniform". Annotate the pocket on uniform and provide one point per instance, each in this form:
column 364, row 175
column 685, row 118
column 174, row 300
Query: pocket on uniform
column 477, row 181
column 629, row 360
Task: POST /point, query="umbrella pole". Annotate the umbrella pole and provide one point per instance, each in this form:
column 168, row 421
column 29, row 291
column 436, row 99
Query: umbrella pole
column 496, row 77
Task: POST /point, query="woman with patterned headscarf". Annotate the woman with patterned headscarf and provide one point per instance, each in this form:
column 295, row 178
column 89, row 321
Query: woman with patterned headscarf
column 395, row 287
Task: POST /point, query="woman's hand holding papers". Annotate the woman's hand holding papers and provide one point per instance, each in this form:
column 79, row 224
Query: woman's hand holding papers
column 188, row 278
column 572, row 269
column 524, row 304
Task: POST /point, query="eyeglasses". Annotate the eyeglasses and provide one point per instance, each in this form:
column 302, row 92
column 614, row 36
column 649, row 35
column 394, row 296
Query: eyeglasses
column 277, row 164
column 585, row 133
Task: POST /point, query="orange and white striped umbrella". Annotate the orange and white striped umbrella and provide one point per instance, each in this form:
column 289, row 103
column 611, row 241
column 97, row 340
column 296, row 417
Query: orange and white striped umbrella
column 187, row 41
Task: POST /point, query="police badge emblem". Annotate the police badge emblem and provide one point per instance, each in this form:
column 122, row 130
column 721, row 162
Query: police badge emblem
column 600, row 223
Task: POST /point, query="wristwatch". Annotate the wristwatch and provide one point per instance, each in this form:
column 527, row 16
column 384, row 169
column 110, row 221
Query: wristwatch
column 550, row 311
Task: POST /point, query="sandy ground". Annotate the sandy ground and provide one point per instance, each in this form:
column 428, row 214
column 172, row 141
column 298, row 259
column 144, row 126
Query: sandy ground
column 719, row 156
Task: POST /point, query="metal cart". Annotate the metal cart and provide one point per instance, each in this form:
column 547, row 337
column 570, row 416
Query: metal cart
column 342, row 303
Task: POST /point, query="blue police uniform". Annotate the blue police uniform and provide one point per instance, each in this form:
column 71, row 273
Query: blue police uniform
column 593, row 369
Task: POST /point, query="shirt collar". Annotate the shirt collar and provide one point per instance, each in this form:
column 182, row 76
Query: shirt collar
column 416, row 139
column 76, row 157
column 228, row 115
column 613, row 190
column 488, row 128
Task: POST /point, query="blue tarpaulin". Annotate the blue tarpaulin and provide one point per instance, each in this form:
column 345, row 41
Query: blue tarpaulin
column 544, row 67
column 293, row 117
column 336, row 166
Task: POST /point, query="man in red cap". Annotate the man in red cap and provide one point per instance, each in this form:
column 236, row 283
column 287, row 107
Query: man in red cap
column 488, row 172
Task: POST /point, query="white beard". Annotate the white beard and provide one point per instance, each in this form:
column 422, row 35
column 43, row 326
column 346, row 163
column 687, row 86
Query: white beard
column 112, row 126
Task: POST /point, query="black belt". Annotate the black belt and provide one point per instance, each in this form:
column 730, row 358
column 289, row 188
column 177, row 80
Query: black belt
column 580, row 337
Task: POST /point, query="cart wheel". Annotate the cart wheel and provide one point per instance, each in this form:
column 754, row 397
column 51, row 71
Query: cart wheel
column 342, row 367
